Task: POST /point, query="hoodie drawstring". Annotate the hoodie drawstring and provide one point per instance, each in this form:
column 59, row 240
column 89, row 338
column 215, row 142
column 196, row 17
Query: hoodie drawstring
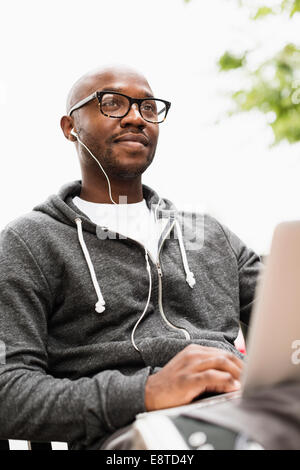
column 99, row 306
column 190, row 279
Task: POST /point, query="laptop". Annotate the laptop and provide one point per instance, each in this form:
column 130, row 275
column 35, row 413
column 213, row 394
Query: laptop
column 273, row 350
column 274, row 339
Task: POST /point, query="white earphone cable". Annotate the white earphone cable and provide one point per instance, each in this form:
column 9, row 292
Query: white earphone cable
column 148, row 300
column 108, row 182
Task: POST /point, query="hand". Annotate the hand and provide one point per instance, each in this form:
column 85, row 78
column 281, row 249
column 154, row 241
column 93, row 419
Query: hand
column 193, row 371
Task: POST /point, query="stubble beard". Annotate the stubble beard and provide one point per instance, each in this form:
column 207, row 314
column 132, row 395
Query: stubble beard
column 110, row 163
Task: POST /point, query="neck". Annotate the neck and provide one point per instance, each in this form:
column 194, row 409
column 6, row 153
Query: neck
column 95, row 189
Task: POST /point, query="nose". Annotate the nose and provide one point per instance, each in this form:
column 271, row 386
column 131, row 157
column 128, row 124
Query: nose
column 133, row 117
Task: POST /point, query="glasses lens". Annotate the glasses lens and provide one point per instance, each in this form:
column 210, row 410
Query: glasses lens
column 114, row 105
column 153, row 110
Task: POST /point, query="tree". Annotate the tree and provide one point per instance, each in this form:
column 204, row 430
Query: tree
column 274, row 87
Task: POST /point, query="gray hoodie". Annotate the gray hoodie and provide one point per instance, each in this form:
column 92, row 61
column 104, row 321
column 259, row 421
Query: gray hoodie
column 86, row 315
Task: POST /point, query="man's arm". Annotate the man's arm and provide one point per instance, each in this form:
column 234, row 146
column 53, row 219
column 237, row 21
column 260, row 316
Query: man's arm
column 249, row 268
column 197, row 369
column 33, row 404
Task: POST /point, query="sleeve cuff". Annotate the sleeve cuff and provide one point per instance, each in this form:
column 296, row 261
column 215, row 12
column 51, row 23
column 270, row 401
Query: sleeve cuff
column 126, row 397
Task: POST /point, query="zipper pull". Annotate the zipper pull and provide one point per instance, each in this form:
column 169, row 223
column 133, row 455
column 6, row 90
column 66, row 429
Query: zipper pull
column 159, row 270
column 147, row 262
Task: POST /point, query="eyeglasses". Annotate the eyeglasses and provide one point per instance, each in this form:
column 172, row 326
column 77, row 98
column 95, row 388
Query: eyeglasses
column 117, row 105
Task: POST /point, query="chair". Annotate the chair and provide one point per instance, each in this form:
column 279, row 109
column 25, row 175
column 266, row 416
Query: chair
column 28, row 445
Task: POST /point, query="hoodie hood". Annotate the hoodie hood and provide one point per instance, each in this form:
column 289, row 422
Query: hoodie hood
column 61, row 207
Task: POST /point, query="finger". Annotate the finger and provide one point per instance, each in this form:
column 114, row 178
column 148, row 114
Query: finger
column 238, row 362
column 198, row 359
column 208, row 350
column 221, row 363
column 215, row 381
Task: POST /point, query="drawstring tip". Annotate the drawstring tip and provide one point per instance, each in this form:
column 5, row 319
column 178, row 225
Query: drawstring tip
column 190, row 279
column 99, row 307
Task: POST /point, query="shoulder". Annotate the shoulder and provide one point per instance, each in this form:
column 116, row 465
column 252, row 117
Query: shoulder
column 212, row 230
column 222, row 233
column 28, row 227
column 204, row 231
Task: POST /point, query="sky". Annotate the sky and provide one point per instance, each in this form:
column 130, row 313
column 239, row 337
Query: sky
column 205, row 161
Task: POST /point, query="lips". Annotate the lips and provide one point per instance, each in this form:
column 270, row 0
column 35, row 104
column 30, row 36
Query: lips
column 138, row 138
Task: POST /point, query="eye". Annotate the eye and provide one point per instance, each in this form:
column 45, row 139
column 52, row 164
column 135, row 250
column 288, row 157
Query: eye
column 114, row 105
column 148, row 106
column 111, row 102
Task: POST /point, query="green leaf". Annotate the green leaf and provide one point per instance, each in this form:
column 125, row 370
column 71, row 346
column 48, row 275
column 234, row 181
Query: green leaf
column 229, row 61
column 275, row 87
column 295, row 7
column 262, row 12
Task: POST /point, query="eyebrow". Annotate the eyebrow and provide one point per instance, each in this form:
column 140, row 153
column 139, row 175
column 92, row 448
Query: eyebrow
column 120, row 90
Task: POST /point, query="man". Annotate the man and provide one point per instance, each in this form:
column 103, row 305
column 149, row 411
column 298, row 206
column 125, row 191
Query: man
column 105, row 311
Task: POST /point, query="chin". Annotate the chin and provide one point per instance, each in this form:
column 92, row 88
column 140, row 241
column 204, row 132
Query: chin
column 127, row 165
column 133, row 167
column 130, row 173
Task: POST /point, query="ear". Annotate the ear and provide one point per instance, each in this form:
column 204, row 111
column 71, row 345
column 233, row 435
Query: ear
column 67, row 124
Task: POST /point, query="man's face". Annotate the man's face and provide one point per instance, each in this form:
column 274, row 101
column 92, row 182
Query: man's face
column 105, row 136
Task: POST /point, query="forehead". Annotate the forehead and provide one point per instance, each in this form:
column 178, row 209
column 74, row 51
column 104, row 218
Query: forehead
column 129, row 83
column 124, row 80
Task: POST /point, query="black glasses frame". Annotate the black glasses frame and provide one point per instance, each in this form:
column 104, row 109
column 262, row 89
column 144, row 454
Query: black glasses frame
column 138, row 101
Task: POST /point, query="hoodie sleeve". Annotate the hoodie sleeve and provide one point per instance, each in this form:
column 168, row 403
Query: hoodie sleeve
column 33, row 404
column 249, row 267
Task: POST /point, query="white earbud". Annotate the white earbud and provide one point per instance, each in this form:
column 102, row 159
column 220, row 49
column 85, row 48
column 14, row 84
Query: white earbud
column 74, row 133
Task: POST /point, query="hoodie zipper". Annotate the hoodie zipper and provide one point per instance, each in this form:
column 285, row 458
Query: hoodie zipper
column 160, row 275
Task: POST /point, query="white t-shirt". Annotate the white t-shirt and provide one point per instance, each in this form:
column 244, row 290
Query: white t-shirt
column 134, row 221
